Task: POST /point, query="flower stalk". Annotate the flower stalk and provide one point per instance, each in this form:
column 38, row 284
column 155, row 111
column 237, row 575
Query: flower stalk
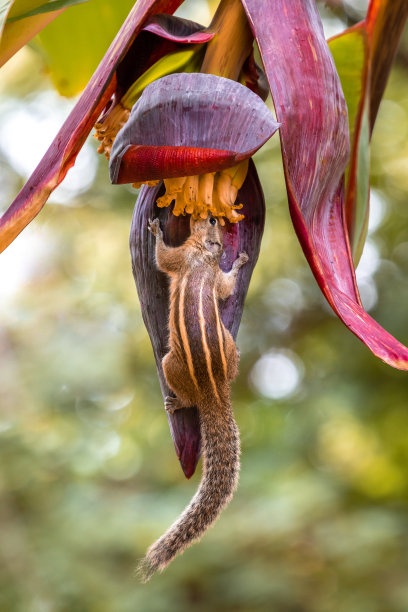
column 232, row 44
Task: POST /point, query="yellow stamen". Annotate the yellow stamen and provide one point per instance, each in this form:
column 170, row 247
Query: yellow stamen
column 107, row 129
column 239, row 176
column 179, row 204
column 148, row 183
column 190, row 194
column 199, row 195
column 205, row 188
column 173, row 188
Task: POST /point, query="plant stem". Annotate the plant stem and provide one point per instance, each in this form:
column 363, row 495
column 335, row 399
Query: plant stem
column 232, row 44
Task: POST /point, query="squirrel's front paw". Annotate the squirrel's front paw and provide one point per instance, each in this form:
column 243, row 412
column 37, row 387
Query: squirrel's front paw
column 241, row 260
column 172, row 404
column 154, row 227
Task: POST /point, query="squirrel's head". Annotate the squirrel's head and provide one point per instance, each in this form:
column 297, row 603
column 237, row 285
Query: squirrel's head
column 209, row 232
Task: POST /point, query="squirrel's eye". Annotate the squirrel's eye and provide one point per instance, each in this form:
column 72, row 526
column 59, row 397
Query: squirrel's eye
column 212, row 221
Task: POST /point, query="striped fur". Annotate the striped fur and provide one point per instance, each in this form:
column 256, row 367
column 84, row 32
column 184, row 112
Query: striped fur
column 201, row 362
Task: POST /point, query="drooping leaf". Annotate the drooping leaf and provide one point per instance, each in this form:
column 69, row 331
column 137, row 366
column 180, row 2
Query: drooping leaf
column 152, row 286
column 63, row 150
column 314, row 136
column 187, row 124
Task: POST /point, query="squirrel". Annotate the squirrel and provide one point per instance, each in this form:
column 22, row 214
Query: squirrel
column 201, row 363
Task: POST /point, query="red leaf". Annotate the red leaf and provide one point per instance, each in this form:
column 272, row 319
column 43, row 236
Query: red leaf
column 314, row 135
column 62, row 153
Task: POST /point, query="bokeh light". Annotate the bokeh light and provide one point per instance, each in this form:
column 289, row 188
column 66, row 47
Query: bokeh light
column 277, row 374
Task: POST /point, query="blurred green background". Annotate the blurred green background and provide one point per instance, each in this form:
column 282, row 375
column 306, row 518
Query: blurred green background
column 88, row 473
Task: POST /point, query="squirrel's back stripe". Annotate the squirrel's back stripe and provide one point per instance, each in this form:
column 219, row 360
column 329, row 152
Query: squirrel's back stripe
column 174, row 326
column 206, row 350
column 220, row 334
column 183, row 332
column 174, row 316
column 198, row 334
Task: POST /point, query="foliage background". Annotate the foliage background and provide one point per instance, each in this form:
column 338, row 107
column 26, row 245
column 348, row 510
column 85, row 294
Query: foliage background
column 88, row 474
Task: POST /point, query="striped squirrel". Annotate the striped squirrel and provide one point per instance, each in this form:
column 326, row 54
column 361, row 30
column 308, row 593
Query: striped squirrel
column 201, row 362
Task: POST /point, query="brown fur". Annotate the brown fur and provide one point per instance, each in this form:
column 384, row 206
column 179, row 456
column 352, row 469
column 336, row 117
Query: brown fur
column 201, row 362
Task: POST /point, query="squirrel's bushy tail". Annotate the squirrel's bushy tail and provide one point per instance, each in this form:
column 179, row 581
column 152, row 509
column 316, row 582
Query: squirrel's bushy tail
column 221, row 450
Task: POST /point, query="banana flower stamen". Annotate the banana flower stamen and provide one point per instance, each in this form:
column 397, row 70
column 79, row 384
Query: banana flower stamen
column 213, row 192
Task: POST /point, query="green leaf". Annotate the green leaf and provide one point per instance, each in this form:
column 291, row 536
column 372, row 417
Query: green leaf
column 188, row 60
column 74, row 44
column 46, row 7
column 362, row 189
column 349, row 51
column 21, row 20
